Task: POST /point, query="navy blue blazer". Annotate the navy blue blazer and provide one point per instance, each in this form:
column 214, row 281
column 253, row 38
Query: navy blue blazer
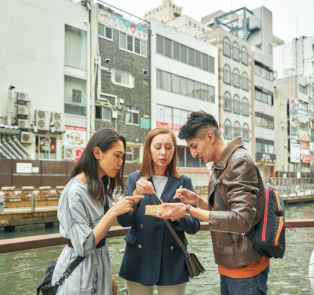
column 152, row 256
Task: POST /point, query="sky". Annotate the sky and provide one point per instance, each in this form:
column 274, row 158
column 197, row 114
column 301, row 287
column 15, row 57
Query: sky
column 290, row 18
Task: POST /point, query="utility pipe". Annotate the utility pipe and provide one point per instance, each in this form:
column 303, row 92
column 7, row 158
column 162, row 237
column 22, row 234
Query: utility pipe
column 16, row 148
column 13, row 152
column 3, row 154
column 5, row 149
column 16, row 141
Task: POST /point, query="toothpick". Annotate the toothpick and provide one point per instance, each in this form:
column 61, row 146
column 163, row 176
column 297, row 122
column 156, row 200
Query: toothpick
column 177, row 193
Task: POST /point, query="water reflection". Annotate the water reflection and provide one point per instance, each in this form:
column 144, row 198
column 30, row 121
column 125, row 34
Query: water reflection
column 296, row 254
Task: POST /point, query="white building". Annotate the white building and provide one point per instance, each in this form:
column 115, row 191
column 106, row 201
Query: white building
column 45, row 54
column 184, row 73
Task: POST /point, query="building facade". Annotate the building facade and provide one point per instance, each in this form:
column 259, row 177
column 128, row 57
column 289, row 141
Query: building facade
column 122, row 99
column 184, row 74
column 45, row 61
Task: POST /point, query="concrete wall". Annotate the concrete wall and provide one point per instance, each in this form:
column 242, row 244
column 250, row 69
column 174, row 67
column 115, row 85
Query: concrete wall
column 32, row 53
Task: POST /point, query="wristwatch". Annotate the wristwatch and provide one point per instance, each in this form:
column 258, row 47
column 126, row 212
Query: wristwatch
column 187, row 213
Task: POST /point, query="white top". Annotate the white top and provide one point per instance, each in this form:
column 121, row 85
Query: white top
column 160, row 183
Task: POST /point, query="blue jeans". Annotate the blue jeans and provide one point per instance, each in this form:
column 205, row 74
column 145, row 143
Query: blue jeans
column 251, row 286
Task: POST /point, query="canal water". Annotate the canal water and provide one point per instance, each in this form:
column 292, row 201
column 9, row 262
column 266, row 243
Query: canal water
column 300, row 243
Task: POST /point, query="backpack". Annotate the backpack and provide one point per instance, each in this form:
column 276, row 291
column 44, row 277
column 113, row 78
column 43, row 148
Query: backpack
column 268, row 235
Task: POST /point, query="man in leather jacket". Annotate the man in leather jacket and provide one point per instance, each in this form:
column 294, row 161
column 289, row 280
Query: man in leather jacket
column 242, row 269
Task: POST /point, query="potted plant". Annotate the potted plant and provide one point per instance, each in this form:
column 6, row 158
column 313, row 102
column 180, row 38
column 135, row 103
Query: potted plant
column 262, row 164
column 14, row 197
column 52, row 196
column 29, row 196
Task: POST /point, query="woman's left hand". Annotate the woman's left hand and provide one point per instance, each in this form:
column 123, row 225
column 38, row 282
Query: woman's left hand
column 175, row 213
column 114, row 286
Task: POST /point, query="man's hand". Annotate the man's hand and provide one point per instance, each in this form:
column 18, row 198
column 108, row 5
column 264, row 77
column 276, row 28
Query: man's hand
column 176, row 212
column 114, row 286
column 187, row 197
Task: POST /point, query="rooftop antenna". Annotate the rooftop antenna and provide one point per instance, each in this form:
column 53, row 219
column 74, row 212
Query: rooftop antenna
column 296, row 25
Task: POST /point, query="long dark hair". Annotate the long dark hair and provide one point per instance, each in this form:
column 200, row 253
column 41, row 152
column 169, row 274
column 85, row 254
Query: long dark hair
column 104, row 139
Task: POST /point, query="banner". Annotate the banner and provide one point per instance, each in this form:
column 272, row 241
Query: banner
column 294, row 130
column 306, row 159
column 305, row 138
column 77, row 137
column 304, row 145
column 111, row 20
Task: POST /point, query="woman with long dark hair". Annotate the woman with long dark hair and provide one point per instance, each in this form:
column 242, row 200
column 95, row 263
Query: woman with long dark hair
column 85, row 214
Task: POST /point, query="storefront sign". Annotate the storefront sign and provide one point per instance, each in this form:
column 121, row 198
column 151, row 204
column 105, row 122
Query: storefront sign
column 304, row 145
column 294, row 131
column 265, row 157
column 305, row 138
column 77, row 137
column 23, row 167
column 306, row 159
column 111, row 20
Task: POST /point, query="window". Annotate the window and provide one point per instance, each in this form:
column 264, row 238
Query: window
column 176, row 50
column 180, row 85
column 198, row 58
column 160, row 44
column 132, row 44
column 46, row 147
column 75, row 47
column 103, row 113
column 304, row 126
column 191, row 57
column 245, row 132
column 227, row 74
column 211, row 64
column 104, row 32
column 264, row 146
column 227, row 129
column 122, row 79
column 245, row 107
column 270, row 49
column 261, row 71
column 245, row 81
column 236, row 78
column 132, row 154
column 236, row 129
column 131, row 116
column 205, row 62
column 263, row 97
column 75, row 97
column 168, row 47
column 236, row 104
column 186, row 159
column 184, row 54
column 302, row 89
column 264, row 121
column 236, row 51
column 226, row 47
column 227, row 102
column 303, row 107
column 244, row 56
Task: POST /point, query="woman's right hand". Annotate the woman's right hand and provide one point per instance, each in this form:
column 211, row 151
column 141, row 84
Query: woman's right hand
column 143, row 187
column 124, row 205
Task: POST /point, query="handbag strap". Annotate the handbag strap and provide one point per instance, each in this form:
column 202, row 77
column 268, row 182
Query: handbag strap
column 70, row 269
column 175, row 235
column 220, row 203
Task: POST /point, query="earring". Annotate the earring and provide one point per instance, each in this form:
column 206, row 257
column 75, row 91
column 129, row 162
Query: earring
column 97, row 158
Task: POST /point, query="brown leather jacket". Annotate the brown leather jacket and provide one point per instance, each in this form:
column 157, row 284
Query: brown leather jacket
column 241, row 189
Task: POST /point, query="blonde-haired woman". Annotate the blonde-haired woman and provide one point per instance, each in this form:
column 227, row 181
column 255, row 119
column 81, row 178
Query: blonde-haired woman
column 152, row 256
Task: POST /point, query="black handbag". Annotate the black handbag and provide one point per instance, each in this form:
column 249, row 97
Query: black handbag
column 192, row 263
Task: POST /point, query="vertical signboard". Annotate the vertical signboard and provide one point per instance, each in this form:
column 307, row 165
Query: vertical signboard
column 294, row 130
column 77, row 137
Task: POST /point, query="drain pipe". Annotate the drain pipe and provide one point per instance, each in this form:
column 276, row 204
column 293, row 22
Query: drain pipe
column 3, row 154
column 17, row 149
column 4, row 149
column 16, row 141
column 12, row 151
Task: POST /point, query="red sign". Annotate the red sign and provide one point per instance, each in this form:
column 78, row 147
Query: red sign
column 177, row 126
column 164, row 124
column 306, row 159
column 304, row 145
column 305, row 138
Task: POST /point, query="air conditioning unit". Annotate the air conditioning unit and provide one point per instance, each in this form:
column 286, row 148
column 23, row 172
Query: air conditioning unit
column 58, row 120
column 42, row 120
column 24, row 124
column 23, row 110
column 27, row 137
column 22, row 96
column 68, row 153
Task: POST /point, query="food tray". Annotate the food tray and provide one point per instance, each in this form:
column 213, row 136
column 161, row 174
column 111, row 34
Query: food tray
column 155, row 209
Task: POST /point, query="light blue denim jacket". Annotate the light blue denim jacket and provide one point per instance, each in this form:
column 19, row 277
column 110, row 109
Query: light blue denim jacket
column 78, row 213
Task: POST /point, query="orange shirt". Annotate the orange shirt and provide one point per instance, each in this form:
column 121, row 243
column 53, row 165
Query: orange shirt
column 246, row 271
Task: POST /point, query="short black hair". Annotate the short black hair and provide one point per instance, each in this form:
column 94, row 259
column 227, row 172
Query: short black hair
column 198, row 124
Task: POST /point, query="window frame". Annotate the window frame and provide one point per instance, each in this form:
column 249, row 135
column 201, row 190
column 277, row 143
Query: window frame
column 225, row 109
column 233, row 47
column 248, row 128
column 133, row 45
column 233, row 74
column 102, row 107
column 239, row 125
column 225, row 136
column 235, row 111
column 247, row 53
column 129, row 153
column 113, row 79
column 223, row 45
column 248, row 103
column 223, row 73
column 37, row 141
column 248, row 81
column 184, row 156
column 133, row 111
column 104, row 37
